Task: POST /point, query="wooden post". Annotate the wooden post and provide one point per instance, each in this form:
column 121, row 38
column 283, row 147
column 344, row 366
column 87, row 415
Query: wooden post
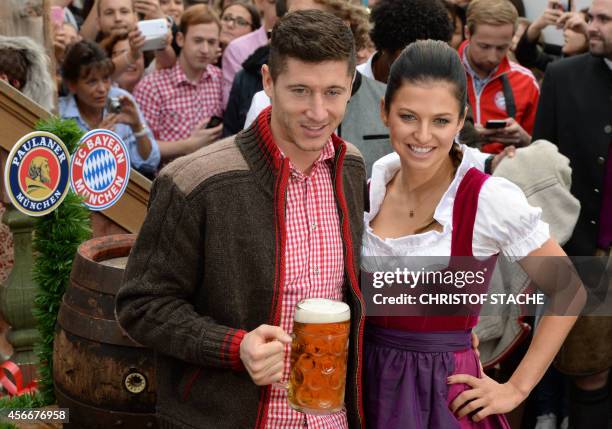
column 17, row 293
column 49, row 48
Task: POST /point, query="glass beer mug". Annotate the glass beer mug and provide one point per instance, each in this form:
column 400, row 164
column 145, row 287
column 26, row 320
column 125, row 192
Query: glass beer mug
column 318, row 356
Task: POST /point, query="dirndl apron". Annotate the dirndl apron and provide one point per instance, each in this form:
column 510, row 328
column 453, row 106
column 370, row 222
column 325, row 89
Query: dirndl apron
column 408, row 359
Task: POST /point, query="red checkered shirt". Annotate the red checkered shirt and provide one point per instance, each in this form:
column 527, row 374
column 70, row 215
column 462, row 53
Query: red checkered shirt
column 314, row 269
column 173, row 105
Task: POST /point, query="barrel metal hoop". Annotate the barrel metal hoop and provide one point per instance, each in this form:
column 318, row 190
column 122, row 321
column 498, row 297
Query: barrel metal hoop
column 91, row 328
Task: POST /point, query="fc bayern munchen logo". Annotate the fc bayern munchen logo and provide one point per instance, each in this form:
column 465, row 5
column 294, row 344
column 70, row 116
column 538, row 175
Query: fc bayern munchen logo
column 36, row 173
column 100, row 169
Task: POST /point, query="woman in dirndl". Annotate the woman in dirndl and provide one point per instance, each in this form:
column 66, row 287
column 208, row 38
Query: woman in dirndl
column 430, row 198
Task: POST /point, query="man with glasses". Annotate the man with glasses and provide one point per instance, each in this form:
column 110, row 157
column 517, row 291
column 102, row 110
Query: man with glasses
column 240, row 49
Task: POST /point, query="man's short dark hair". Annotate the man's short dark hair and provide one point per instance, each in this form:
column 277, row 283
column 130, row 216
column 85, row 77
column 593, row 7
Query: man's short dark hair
column 398, row 23
column 311, row 36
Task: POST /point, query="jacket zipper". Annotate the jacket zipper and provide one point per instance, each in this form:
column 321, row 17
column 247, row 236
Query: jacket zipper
column 282, row 178
column 347, row 244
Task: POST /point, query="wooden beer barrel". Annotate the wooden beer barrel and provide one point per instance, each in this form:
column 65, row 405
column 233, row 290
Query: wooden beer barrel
column 105, row 378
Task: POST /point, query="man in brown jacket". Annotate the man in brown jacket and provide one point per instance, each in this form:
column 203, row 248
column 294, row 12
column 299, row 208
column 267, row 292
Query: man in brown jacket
column 241, row 230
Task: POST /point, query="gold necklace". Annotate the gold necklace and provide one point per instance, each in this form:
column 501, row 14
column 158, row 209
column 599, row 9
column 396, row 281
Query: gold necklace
column 411, row 212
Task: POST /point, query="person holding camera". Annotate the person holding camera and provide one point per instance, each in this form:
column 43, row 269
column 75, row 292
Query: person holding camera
column 94, row 103
column 108, row 18
column 181, row 103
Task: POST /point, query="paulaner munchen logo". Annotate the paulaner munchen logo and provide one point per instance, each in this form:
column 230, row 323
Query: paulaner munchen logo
column 37, row 172
column 100, row 169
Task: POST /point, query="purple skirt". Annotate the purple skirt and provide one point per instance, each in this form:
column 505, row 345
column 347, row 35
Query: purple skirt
column 405, row 379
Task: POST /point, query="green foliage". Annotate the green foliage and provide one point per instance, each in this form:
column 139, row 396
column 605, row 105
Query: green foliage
column 23, row 401
column 56, row 239
column 67, row 130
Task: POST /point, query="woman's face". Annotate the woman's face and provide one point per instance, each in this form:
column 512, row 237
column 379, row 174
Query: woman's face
column 574, row 42
column 92, row 89
column 235, row 22
column 423, row 120
column 173, row 8
column 130, row 77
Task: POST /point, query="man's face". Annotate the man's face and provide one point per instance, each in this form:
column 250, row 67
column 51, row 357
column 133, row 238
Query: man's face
column 199, row 45
column 489, row 45
column 308, row 103
column 600, row 28
column 116, row 16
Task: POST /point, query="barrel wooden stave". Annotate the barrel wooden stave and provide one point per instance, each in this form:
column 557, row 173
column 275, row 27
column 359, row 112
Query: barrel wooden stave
column 100, row 373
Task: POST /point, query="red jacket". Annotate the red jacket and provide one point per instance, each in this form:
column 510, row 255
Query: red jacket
column 491, row 103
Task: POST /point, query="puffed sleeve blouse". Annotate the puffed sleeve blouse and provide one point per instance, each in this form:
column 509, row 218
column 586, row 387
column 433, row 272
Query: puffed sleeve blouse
column 505, row 222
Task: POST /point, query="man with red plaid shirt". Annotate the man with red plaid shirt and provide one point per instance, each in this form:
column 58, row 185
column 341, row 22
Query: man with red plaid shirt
column 179, row 102
column 240, row 231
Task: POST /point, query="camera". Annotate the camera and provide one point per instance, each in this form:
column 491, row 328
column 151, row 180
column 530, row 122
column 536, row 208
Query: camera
column 113, row 105
column 154, row 31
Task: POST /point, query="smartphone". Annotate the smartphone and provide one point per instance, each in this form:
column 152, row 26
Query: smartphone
column 214, row 121
column 495, row 124
column 57, row 15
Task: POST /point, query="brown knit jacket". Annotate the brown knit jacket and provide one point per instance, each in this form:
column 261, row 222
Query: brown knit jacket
column 208, row 266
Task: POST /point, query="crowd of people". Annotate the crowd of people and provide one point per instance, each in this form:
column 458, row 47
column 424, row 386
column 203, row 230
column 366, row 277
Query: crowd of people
column 206, row 84
column 280, row 112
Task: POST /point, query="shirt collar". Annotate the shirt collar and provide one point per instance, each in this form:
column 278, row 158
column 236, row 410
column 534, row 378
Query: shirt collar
column 327, row 154
column 179, row 77
column 471, row 71
column 366, row 68
column 71, row 110
column 608, row 63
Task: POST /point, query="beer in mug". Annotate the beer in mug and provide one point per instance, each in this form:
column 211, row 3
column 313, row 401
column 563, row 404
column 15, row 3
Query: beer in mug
column 318, row 356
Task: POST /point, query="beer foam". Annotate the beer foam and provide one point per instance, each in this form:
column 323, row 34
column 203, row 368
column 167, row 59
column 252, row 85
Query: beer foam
column 321, row 310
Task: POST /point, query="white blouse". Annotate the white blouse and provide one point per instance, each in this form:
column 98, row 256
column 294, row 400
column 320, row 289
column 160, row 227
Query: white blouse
column 505, row 222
